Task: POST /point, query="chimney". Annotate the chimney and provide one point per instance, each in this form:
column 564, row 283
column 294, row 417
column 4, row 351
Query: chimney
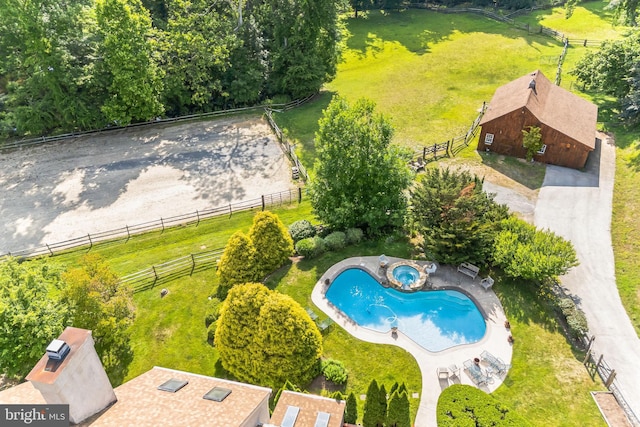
column 71, row 373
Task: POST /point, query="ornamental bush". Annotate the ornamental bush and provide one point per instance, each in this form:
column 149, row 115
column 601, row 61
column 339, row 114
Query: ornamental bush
column 211, row 332
column 213, row 311
column 271, row 240
column 237, row 264
column 334, row 371
column 310, row 247
column 354, row 236
column 301, row 230
column 576, row 321
column 335, row 241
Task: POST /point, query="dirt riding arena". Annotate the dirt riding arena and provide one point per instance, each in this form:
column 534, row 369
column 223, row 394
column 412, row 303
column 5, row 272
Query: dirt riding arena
column 64, row 190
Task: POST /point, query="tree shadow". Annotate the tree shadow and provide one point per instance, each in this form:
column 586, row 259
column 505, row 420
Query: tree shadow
column 521, row 301
column 530, row 175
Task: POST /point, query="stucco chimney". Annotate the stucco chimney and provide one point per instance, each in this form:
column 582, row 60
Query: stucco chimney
column 78, row 380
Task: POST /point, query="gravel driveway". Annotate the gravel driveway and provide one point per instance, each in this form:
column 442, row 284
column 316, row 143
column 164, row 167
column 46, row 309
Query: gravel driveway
column 59, row 191
column 577, row 205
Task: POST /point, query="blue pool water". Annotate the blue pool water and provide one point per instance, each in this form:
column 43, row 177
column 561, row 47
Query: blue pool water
column 406, row 274
column 436, row 320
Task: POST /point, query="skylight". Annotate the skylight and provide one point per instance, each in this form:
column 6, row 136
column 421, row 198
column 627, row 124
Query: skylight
column 172, row 385
column 217, row 394
column 290, row 416
column 323, row 419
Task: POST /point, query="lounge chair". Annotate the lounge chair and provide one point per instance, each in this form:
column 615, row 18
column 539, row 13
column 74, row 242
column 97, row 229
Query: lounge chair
column 324, row 325
column 443, row 373
column 311, row 313
column 496, row 363
column 476, row 374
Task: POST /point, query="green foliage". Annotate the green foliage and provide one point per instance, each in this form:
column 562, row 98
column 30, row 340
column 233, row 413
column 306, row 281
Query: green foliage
column 351, row 409
column 311, row 247
column 127, row 69
column 288, row 385
column 213, row 311
column 373, row 415
column 101, row 303
column 398, row 414
column 457, row 220
column 272, row 242
column 575, row 318
column 237, row 264
column 382, row 402
column 31, row 314
column 463, row 405
column 360, row 178
column 301, row 229
column 532, row 141
column 211, row 331
column 334, row 371
column 335, row 241
column 524, row 252
column 266, row 337
column 354, row 236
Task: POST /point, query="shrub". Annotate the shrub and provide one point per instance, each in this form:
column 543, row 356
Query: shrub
column 334, row 371
column 310, row 247
column 576, row 321
column 354, row 236
column 301, row 230
column 335, row 241
column 272, row 242
column 213, row 311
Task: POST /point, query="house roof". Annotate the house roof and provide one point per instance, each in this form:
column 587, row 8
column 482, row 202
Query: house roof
column 552, row 105
column 310, row 405
column 140, row 403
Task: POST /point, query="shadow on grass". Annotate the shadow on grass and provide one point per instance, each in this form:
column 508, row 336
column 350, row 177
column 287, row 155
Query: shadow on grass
column 521, row 302
column 531, row 175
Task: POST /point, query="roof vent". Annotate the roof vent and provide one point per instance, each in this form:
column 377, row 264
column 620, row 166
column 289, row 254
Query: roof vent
column 532, row 86
column 58, row 350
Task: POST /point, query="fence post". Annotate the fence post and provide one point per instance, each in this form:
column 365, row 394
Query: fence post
column 586, row 358
column 599, row 362
column 230, row 211
column 193, row 264
column 299, row 194
column 585, row 43
column 50, row 251
column 90, row 242
column 197, row 216
column 162, row 222
column 612, row 376
column 155, row 274
column 262, row 201
column 424, row 154
column 128, row 234
column 435, row 151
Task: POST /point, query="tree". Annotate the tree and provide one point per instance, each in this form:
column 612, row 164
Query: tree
column 237, row 263
column 360, row 178
column 532, row 141
column 31, row 314
column 127, row 72
column 265, row 337
column 398, row 414
column 101, row 303
column 455, row 217
column 627, row 11
column 372, row 411
column 271, row 240
column 524, row 252
column 351, row 409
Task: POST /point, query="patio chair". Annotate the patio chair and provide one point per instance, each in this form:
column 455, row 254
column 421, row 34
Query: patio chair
column 311, row 313
column 497, row 364
column 487, row 283
column 324, row 325
column 475, row 373
column 443, row 373
column 454, row 370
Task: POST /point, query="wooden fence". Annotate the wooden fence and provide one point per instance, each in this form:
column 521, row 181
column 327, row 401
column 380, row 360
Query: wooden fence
column 297, row 169
column 89, row 240
column 176, row 268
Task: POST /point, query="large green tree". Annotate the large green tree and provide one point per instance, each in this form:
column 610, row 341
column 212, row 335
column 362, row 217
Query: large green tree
column 456, row 218
column 374, row 409
column 31, row 314
column 398, row 414
column 265, row 337
column 523, row 251
column 272, row 242
column 101, row 303
column 360, row 177
column 127, row 71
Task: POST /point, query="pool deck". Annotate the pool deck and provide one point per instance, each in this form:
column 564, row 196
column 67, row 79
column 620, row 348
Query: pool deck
column 495, row 340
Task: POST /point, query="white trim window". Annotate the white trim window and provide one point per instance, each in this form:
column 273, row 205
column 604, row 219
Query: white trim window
column 543, row 149
column 488, row 139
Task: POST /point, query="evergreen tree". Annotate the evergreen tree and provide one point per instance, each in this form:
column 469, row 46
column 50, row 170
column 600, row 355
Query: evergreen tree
column 372, row 412
column 398, row 414
column 382, row 403
column 272, row 242
column 237, row 263
column 351, row 409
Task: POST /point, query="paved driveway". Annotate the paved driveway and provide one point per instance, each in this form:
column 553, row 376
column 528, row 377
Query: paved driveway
column 577, row 205
column 60, row 191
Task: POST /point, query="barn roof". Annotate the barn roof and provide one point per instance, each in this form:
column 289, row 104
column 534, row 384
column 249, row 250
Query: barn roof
column 555, row 107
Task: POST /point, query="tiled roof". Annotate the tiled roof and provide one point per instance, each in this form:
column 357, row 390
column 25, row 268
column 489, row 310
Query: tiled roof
column 552, row 105
column 309, row 405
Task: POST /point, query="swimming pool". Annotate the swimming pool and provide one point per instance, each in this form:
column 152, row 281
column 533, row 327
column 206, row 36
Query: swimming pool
column 436, row 320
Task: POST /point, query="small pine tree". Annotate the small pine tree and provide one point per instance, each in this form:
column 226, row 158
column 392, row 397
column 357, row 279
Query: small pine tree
column 532, row 141
column 371, row 408
column 394, row 387
column 351, row 409
column 272, row 242
column 382, row 402
column 237, row 264
column 398, row 414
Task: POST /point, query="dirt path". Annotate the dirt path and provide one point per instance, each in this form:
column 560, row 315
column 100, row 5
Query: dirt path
column 59, row 191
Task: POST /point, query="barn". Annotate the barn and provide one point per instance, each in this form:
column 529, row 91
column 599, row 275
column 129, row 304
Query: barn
column 567, row 122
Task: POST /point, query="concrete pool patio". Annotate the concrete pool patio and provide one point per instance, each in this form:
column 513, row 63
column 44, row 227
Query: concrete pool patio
column 495, row 340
